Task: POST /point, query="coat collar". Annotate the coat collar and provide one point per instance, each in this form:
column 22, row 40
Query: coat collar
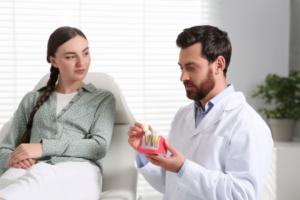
column 230, row 102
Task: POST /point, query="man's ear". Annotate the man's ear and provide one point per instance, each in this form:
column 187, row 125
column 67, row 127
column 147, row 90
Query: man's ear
column 53, row 61
column 220, row 65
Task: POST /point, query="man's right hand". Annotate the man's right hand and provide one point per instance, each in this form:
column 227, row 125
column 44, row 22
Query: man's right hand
column 135, row 133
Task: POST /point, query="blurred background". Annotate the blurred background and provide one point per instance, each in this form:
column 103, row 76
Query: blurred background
column 134, row 42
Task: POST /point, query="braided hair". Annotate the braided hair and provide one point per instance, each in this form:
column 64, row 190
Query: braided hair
column 57, row 38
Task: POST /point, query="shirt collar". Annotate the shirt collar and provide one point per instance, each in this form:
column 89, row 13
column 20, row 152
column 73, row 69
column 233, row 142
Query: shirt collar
column 88, row 87
column 217, row 98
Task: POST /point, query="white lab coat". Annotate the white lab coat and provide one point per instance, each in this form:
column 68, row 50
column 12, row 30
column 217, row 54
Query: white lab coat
column 229, row 153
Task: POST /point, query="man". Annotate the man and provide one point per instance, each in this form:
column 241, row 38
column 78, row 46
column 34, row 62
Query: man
column 219, row 147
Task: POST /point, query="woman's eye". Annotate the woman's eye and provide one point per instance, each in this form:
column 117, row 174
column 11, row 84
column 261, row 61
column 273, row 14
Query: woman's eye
column 70, row 57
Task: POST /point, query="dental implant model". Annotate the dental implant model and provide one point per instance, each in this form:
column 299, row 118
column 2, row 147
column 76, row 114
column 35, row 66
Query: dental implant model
column 152, row 143
column 147, row 134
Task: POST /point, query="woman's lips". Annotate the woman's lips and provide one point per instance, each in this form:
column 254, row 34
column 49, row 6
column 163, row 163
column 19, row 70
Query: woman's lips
column 80, row 71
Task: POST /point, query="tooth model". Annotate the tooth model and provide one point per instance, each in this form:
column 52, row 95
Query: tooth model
column 155, row 137
column 147, row 133
column 153, row 143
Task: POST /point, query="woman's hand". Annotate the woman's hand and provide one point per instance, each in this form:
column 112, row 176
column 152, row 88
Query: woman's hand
column 25, row 151
column 24, row 164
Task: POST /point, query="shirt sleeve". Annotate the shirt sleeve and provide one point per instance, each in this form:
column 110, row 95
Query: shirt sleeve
column 141, row 160
column 17, row 129
column 181, row 171
column 96, row 143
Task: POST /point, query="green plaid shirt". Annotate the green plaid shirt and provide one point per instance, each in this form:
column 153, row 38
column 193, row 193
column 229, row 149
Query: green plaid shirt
column 80, row 132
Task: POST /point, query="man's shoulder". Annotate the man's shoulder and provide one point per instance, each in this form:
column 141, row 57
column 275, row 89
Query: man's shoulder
column 239, row 109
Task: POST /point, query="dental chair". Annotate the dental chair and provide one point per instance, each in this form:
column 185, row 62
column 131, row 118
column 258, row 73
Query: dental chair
column 119, row 174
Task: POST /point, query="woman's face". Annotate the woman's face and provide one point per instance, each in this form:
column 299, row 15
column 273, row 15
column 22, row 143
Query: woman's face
column 72, row 59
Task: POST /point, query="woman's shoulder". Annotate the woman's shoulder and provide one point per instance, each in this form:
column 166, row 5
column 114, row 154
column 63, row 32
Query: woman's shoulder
column 100, row 92
column 30, row 98
column 34, row 94
column 105, row 94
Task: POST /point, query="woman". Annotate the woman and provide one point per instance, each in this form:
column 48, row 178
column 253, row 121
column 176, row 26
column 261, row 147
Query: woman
column 61, row 132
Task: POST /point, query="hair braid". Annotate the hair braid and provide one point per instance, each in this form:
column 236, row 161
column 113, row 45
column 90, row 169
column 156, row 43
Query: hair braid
column 50, row 88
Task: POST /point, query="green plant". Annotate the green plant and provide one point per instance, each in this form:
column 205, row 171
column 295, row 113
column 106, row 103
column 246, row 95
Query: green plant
column 285, row 92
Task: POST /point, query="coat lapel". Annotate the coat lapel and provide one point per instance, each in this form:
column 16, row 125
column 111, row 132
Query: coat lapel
column 190, row 117
column 230, row 102
column 212, row 117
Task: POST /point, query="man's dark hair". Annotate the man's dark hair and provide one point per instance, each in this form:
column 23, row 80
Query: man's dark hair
column 214, row 42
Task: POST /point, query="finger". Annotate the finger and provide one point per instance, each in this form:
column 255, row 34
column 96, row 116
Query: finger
column 14, row 156
column 139, row 125
column 26, row 163
column 16, row 166
column 31, row 161
column 22, row 165
column 131, row 133
column 14, row 160
column 153, row 161
column 134, row 128
column 171, row 148
column 20, row 158
column 158, row 158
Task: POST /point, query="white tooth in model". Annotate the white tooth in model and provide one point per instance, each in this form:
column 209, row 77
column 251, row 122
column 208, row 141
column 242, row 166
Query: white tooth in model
column 155, row 137
column 147, row 136
column 147, row 133
column 145, row 127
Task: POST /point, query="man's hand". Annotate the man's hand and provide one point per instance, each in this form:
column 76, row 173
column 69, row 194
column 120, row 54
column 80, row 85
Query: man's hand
column 24, row 164
column 25, row 151
column 172, row 163
column 135, row 133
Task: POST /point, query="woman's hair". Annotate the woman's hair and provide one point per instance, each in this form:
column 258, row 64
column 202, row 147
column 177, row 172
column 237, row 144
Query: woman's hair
column 57, row 38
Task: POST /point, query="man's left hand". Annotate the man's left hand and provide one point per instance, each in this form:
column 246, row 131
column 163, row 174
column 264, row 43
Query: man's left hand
column 25, row 151
column 172, row 163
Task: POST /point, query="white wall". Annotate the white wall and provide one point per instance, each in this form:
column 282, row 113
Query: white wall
column 259, row 32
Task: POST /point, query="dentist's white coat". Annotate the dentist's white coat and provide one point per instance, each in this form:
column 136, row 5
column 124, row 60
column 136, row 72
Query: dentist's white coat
column 229, row 153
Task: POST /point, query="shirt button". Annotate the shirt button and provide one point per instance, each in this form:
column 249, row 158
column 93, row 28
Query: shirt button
column 201, row 115
column 178, row 188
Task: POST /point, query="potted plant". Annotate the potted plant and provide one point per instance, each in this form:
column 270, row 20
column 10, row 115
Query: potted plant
column 285, row 93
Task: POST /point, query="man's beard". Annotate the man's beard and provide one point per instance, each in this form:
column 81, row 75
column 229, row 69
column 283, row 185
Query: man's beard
column 205, row 87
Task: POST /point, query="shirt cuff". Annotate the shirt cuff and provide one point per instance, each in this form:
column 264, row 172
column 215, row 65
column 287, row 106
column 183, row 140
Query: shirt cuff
column 141, row 160
column 179, row 174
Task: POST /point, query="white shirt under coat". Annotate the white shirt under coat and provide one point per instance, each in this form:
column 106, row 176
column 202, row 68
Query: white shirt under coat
column 229, row 153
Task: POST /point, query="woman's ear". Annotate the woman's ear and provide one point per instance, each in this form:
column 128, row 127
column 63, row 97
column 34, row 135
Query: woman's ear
column 53, row 62
column 220, row 64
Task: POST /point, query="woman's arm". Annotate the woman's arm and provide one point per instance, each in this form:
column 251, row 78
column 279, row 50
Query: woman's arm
column 16, row 131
